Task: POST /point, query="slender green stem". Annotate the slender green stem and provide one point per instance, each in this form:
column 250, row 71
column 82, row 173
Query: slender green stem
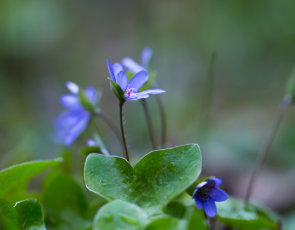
column 163, row 117
column 207, row 220
column 266, row 145
column 110, row 123
column 122, row 130
column 149, row 122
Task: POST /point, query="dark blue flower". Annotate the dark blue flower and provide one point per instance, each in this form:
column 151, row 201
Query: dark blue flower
column 133, row 66
column 207, row 193
column 131, row 88
column 71, row 123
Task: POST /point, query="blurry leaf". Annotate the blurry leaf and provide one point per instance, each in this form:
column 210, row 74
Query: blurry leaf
column 156, row 179
column 130, row 75
column 117, row 91
column 149, row 82
column 85, row 102
column 100, row 143
column 89, row 149
column 196, row 219
column 290, row 87
column 167, row 223
column 14, row 179
column 30, row 215
column 65, row 203
column 233, row 212
column 8, row 216
column 175, row 209
column 120, row 215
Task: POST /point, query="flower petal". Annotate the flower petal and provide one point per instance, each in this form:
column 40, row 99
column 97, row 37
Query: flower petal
column 200, row 185
column 199, row 203
column 122, row 80
column 137, row 98
column 214, row 182
column 117, row 67
column 74, row 88
column 218, row 195
column 111, row 70
column 91, row 142
column 210, row 208
column 76, row 129
column 131, row 65
column 71, row 102
column 146, row 55
column 91, row 94
column 152, row 91
column 138, row 80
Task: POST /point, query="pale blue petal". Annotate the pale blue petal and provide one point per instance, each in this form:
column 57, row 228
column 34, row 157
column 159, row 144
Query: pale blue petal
column 214, row 182
column 137, row 98
column 199, row 203
column 138, row 80
column 146, row 55
column 111, row 71
column 91, row 94
column 117, row 67
column 91, row 142
column 71, row 102
column 72, row 87
column 131, row 65
column 122, row 80
column 218, row 195
column 152, row 91
column 210, row 208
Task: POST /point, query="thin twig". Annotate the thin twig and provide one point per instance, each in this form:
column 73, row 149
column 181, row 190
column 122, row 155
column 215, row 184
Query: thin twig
column 266, row 144
column 149, row 122
column 122, row 130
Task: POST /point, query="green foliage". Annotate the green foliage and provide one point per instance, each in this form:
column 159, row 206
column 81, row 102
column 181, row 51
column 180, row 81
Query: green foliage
column 120, row 215
column 290, row 87
column 30, row 215
column 167, row 223
column 234, row 213
column 8, row 215
column 13, row 180
column 65, row 204
column 117, row 91
column 148, row 84
column 156, row 179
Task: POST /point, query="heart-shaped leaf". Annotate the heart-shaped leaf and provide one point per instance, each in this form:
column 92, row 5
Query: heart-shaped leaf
column 14, row 178
column 234, row 213
column 120, row 215
column 156, row 179
column 167, row 223
column 8, row 216
column 30, row 215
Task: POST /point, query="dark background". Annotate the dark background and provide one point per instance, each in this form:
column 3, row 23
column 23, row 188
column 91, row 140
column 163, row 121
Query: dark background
column 43, row 44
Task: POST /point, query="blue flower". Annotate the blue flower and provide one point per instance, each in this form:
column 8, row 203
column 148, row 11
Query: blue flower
column 130, row 88
column 133, row 66
column 206, row 194
column 71, row 123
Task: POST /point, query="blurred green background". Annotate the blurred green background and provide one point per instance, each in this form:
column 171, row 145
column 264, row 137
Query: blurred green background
column 43, row 44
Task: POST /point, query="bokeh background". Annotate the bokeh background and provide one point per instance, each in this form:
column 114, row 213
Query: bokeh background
column 43, row 44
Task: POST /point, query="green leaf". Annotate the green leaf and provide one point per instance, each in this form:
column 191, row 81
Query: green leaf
column 233, row 213
column 156, row 179
column 89, row 149
column 30, row 215
column 120, row 215
column 65, row 203
column 149, row 82
column 8, row 215
column 167, row 223
column 196, row 219
column 290, row 87
column 117, row 91
column 85, row 102
column 14, row 179
column 130, row 75
column 176, row 209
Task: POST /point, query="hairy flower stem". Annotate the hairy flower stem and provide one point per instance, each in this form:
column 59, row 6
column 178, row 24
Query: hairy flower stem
column 163, row 116
column 266, row 145
column 149, row 122
column 110, row 123
column 122, row 130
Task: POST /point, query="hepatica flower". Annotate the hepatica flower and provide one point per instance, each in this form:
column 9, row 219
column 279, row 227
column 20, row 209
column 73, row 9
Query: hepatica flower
column 207, row 193
column 129, row 89
column 71, row 123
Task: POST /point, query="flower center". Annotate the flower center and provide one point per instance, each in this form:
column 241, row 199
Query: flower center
column 130, row 93
column 203, row 193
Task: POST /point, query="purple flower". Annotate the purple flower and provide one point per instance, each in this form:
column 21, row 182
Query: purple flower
column 133, row 66
column 206, row 194
column 130, row 88
column 71, row 123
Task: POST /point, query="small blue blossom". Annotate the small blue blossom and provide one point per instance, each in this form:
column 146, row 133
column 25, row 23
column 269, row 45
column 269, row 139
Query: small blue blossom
column 207, row 193
column 131, row 88
column 71, row 123
column 133, row 66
